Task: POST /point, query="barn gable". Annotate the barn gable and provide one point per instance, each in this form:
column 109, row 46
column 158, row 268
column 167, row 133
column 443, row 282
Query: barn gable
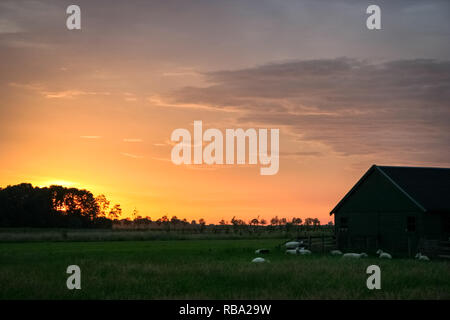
column 375, row 192
column 427, row 188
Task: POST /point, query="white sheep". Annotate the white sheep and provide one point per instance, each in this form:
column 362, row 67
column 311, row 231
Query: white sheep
column 304, row 251
column 292, row 251
column 336, row 252
column 384, row 255
column 421, row 257
column 292, row 244
column 354, row 255
column 262, row 251
column 260, row 260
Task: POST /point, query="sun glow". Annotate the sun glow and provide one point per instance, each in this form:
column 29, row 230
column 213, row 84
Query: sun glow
column 63, row 183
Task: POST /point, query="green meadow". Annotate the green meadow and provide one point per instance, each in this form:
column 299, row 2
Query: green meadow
column 206, row 269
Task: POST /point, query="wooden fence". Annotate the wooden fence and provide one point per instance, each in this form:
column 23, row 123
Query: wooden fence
column 435, row 248
column 317, row 243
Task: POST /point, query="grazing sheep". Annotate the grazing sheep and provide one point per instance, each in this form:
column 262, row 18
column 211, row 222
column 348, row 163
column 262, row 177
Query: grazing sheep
column 304, row 251
column 384, row 255
column 260, row 260
column 336, row 252
column 262, row 251
column 292, row 244
column 421, row 257
column 354, row 255
column 292, row 251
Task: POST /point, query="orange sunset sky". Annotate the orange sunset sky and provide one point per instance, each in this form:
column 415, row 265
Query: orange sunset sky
column 95, row 108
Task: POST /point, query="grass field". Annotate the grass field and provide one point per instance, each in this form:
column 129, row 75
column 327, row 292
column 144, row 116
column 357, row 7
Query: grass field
column 206, row 269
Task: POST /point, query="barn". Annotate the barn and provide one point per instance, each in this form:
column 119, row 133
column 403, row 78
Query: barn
column 401, row 210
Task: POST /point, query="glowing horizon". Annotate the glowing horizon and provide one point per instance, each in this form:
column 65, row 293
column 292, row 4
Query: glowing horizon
column 95, row 109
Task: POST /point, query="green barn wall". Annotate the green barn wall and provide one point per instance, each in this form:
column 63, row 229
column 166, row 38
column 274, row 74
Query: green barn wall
column 377, row 214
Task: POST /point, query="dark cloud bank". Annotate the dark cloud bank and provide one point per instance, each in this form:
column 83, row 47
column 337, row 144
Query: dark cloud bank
column 396, row 110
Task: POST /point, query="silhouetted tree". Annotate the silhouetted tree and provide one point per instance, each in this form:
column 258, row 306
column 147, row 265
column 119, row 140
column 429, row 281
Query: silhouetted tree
column 26, row 206
column 103, row 205
column 115, row 212
column 274, row 221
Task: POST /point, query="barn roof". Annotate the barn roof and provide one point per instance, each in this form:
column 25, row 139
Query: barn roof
column 428, row 188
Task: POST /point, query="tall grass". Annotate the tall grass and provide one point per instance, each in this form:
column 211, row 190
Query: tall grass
column 215, row 269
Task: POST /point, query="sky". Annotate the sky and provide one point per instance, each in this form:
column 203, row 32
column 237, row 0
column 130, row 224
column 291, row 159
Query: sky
column 95, row 108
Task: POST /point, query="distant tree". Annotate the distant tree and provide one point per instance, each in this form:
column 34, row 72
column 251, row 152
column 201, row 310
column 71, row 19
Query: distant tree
column 274, row 221
column 297, row 221
column 316, row 222
column 222, row 222
column 263, row 222
column 135, row 214
column 238, row 224
column 202, row 223
column 103, row 205
column 175, row 221
column 309, row 222
column 115, row 212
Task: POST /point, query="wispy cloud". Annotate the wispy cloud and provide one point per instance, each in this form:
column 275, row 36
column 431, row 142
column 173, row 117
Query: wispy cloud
column 159, row 101
column 56, row 94
column 71, row 94
column 129, row 97
column 132, row 140
column 398, row 109
column 130, row 155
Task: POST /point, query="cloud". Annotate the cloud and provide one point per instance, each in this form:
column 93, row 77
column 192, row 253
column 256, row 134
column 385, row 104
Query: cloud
column 131, row 155
column 399, row 109
column 132, row 140
column 7, row 26
column 71, row 93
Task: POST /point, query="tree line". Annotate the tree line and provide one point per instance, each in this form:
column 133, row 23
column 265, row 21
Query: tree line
column 23, row 205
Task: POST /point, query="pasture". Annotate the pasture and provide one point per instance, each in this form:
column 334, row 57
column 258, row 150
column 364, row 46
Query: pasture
column 206, row 269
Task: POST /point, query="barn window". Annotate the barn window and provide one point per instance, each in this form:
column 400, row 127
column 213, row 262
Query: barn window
column 411, row 224
column 344, row 224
